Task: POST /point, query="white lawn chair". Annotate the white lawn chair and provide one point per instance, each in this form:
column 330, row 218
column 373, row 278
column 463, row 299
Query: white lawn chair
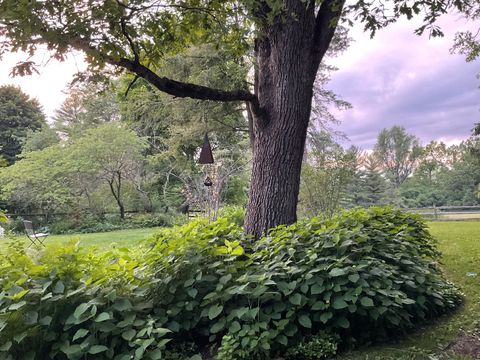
column 35, row 238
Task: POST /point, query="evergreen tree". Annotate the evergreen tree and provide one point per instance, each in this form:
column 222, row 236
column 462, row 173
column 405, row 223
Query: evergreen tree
column 368, row 187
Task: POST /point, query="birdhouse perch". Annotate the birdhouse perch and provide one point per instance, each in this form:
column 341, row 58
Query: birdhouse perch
column 206, row 156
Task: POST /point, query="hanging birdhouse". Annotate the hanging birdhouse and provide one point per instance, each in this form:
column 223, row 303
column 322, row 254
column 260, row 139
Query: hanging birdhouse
column 206, row 156
column 208, row 181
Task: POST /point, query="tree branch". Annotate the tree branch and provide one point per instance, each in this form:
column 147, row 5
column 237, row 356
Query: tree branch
column 325, row 24
column 180, row 89
column 169, row 86
column 130, row 85
column 129, row 39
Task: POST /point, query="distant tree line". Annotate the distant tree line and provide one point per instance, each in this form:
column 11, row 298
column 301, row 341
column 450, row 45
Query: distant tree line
column 398, row 171
column 104, row 152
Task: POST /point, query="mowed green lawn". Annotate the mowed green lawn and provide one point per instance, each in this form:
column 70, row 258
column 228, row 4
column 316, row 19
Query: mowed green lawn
column 459, row 241
column 104, row 240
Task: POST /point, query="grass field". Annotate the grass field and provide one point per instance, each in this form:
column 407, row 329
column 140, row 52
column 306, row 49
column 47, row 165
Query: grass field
column 461, row 216
column 103, row 240
column 460, row 245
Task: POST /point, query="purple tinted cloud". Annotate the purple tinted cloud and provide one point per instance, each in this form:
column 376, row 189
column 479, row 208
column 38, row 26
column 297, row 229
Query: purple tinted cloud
column 401, row 79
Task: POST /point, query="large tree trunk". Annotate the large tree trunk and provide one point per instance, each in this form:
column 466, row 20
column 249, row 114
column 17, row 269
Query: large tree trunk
column 287, row 63
column 288, row 52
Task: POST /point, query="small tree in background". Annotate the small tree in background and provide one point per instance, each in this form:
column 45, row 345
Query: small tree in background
column 39, row 140
column 19, row 114
column 111, row 154
column 372, row 187
column 327, row 170
column 85, row 107
column 398, row 153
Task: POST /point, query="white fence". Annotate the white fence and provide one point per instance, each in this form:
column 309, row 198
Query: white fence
column 449, row 213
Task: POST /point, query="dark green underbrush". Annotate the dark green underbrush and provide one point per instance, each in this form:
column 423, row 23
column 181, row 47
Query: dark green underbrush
column 205, row 291
column 89, row 223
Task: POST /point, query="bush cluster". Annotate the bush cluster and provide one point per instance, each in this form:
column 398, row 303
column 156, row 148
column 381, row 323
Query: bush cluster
column 360, row 276
column 89, row 223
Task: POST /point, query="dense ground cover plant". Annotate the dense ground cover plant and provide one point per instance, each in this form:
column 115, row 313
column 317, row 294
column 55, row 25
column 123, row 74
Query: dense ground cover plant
column 363, row 275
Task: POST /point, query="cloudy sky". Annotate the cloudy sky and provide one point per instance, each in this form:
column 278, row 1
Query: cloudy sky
column 398, row 78
column 395, row 78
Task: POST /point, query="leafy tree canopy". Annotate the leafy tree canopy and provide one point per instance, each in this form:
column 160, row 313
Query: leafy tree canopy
column 136, row 34
column 86, row 106
column 398, row 151
column 39, row 140
column 468, row 42
column 19, row 114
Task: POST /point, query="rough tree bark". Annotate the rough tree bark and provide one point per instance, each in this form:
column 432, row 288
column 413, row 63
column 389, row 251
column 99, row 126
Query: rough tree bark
column 288, row 57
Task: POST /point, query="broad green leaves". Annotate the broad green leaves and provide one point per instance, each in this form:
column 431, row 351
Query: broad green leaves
column 296, row 280
column 214, row 311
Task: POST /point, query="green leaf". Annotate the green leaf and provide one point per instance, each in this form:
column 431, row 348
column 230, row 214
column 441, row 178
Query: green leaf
column 192, row 292
column 18, row 338
column 104, row 316
column 112, row 295
column 234, row 327
column 96, row 349
column 238, row 251
column 343, row 322
column 319, row 305
column 174, row 326
column 366, row 301
column 339, row 303
column 336, row 272
column 59, row 287
column 295, row 299
column 305, row 321
column 45, row 321
column 409, row 301
column 325, row 317
column 188, row 282
column 282, row 339
column 139, row 353
column 354, row 278
column 122, row 305
column 20, row 294
column 80, row 334
column 80, row 310
column 317, row 289
column 129, row 334
column 17, row 306
column 218, row 326
column 155, row 354
column 30, row 318
column 162, row 331
column 214, row 311
column 6, row 346
column 225, row 278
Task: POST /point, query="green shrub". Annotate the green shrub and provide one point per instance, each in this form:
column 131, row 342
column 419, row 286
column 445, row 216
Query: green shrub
column 90, row 223
column 235, row 214
column 315, row 348
column 362, row 275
